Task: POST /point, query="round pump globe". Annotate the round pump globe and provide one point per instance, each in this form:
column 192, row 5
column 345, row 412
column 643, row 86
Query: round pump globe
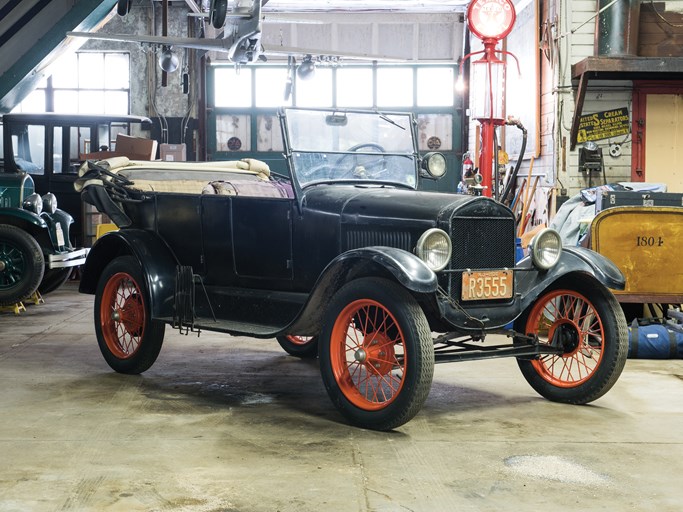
column 491, row 19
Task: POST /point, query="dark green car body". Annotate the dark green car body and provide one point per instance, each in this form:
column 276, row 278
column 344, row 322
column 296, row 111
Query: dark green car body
column 36, row 253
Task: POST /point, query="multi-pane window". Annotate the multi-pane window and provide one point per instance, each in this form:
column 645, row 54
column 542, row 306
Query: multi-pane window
column 246, row 99
column 84, row 83
column 342, row 86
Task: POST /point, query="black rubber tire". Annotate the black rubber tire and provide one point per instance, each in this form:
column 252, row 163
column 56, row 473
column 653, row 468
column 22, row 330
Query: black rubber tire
column 53, row 279
column 601, row 355
column 22, row 265
column 218, row 12
column 304, row 350
column 129, row 339
column 390, row 321
column 123, row 7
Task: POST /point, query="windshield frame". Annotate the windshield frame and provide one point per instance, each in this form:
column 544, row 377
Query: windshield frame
column 406, row 160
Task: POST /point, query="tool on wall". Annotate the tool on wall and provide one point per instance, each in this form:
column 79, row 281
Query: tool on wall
column 591, row 160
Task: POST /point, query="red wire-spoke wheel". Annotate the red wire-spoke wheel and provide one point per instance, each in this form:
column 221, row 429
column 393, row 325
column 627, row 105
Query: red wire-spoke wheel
column 129, row 339
column 367, row 355
column 122, row 315
column 305, row 347
column 588, row 326
column 376, row 354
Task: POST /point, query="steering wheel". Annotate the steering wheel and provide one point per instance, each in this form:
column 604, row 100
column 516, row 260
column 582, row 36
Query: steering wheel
column 371, row 163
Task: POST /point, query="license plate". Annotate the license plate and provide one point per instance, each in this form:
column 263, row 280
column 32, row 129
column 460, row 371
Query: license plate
column 487, row 285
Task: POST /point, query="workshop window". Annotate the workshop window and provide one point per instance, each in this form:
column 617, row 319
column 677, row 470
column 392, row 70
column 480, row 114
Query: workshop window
column 232, row 89
column 316, row 90
column 395, row 87
column 233, row 133
column 34, row 102
column 269, row 86
column 84, row 83
column 435, row 87
column 354, row 87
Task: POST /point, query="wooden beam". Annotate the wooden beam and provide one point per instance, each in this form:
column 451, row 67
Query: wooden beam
column 578, row 109
column 628, row 68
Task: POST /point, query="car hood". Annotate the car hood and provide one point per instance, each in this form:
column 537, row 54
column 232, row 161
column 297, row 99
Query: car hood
column 354, row 203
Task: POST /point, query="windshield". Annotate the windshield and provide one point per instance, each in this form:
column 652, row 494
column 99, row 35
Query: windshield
column 329, row 146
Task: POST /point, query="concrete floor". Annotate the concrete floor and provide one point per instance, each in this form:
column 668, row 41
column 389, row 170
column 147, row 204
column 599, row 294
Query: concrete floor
column 234, row 424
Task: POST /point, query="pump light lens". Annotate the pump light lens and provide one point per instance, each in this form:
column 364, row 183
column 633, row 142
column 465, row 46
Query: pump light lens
column 50, row 203
column 546, row 248
column 434, row 248
column 33, row 203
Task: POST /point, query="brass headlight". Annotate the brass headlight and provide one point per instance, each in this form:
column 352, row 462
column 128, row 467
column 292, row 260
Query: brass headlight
column 434, row 248
column 434, row 164
column 545, row 249
column 33, row 203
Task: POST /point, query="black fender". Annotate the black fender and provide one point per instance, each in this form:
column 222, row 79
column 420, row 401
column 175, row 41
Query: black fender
column 573, row 260
column 63, row 219
column 156, row 259
column 403, row 267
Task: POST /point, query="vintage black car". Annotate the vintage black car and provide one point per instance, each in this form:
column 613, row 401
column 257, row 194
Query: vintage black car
column 347, row 261
column 35, row 251
column 50, row 148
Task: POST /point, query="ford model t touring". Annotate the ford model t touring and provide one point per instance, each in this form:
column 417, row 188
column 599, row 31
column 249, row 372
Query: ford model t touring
column 346, row 260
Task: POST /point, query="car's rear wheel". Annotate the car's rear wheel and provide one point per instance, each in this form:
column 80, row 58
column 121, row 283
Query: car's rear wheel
column 129, row 339
column 305, row 347
column 22, row 265
column 53, row 279
column 587, row 323
column 376, row 354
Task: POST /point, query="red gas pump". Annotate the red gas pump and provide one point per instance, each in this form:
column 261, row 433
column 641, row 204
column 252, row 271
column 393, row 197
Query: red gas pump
column 490, row 21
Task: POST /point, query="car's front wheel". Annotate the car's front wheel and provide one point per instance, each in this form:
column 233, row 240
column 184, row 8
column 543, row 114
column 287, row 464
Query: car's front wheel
column 587, row 324
column 376, row 354
column 129, row 339
column 22, row 265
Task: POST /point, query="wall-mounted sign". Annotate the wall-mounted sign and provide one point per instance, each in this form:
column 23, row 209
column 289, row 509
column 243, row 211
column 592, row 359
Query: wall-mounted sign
column 604, row 125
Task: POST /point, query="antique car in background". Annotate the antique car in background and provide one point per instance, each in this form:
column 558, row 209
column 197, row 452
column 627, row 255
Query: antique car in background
column 35, row 251
column 50, row 147
column 346, row 260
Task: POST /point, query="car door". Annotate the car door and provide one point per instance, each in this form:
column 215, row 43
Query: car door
column 247, row 240
column 262, row 238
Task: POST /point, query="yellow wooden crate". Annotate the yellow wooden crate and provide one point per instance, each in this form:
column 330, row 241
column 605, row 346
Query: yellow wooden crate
column 646, row 243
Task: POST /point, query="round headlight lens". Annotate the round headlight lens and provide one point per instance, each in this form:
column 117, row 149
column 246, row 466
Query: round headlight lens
column 434, row 248
column 434, row 164
column 546, row 248
column 50, row 203
column 33, row 203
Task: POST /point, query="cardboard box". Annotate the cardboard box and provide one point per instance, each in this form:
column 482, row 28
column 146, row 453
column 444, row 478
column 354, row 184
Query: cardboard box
column 135, row 148
column 172, row 152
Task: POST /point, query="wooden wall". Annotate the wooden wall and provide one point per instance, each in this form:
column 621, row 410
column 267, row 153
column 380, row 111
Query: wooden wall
column 659, row 37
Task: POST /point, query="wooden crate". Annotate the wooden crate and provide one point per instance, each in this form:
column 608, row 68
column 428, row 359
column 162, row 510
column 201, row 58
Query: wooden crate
column 646, row 243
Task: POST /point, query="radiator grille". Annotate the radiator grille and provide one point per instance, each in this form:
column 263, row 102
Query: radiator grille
column 357, row 238
column 480, row 243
